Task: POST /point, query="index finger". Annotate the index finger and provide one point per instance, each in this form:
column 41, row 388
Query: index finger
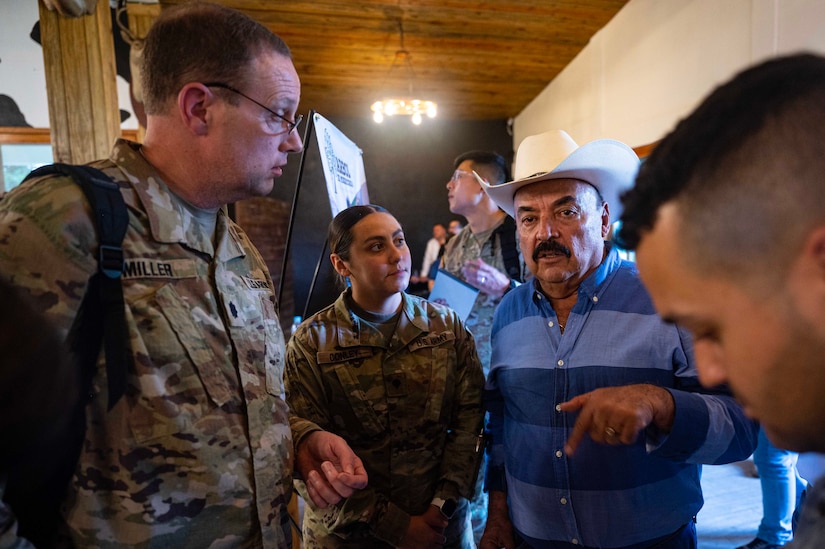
column 351, row 464
column 581, row 426
column 575, row 403
column 354, row 481
column 356, row 478
column 344, row 484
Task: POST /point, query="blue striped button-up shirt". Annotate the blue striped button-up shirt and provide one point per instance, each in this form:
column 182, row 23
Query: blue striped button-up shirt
column 603, row 496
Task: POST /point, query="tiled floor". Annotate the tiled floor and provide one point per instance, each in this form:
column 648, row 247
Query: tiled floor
column 733, row 506
column 733, row 501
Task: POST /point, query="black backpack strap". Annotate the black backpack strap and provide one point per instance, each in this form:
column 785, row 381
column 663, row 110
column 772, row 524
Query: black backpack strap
column 102, row 313
column 509, row 248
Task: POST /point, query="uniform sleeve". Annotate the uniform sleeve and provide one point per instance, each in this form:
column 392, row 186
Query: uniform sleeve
column 304, row 388
column 709, row 426
column 46, row 243
column 462, row 455
column 367, row 514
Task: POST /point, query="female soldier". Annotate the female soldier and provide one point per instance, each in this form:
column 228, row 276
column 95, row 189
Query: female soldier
column 399, row 379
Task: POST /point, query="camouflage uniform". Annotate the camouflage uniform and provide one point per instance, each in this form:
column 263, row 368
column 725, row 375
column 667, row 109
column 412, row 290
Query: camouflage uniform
column 198, row 452
column 487, row 247
column 410, row 409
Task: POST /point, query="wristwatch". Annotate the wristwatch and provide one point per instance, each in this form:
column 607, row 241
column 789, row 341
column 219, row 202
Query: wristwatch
column 446, row 506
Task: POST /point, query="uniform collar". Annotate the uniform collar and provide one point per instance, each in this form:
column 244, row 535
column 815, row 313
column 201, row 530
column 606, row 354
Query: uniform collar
column 353, row 333
column 168, row 221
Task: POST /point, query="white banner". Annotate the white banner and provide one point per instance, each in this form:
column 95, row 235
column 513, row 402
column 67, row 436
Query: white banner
column 343, row 166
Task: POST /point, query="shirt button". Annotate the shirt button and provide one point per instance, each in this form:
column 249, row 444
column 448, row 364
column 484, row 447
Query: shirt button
column 559, row 453
column 595, row 299
column 563, row 501
column 550, row 323
column 558, row 407
column 574, row 541
column 560, row 363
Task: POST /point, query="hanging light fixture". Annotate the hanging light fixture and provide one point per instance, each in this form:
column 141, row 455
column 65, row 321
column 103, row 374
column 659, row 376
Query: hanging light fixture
column 407, row 105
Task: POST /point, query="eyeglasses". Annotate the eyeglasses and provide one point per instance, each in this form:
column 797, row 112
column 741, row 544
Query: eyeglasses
column 285, row 123
column 458, row 174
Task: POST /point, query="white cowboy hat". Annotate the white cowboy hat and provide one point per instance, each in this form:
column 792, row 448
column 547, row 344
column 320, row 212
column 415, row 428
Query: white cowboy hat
column 608, row 165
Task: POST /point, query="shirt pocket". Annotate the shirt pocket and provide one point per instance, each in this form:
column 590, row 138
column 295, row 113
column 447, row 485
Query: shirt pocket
column 274, row 342
column 442, row 384
column 176, row 368
column 435, row 353
column 249, row 311
column 360, row 402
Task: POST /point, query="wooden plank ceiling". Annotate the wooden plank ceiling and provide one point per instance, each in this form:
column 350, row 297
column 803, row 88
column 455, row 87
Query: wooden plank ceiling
column 479, row 59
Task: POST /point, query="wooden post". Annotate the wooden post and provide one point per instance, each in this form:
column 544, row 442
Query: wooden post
column 141, row 17
column 79, row 58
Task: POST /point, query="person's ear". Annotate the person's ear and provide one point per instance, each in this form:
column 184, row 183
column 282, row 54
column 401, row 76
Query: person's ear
column 339, row 265
column 194, row 101
column 806, row 277
column 814, row 249
column 605, row 219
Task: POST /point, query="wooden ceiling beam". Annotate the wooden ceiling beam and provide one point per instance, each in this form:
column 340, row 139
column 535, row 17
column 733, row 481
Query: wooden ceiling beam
column 479, row 58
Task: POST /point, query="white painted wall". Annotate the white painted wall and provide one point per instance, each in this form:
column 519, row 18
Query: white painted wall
column 22, row 72
column 657, row 59
column 22, row 75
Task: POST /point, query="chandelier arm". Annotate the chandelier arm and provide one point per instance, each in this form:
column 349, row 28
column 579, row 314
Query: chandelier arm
column 409, row 106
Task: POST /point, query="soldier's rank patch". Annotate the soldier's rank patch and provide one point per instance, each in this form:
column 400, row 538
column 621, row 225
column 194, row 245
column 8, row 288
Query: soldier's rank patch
column 149, row 267
column 396, row 384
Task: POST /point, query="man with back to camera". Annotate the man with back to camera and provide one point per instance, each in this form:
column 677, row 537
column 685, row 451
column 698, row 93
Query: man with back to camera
column 728, row 220
column 597, row 420
column 198, row 451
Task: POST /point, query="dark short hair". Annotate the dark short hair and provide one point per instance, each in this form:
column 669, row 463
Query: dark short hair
column 489, row 165
column 200, row 42
column 744, row 169
column 339, row 234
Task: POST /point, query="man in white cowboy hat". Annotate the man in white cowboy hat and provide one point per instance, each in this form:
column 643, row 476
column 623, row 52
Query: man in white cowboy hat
column 597, row 418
